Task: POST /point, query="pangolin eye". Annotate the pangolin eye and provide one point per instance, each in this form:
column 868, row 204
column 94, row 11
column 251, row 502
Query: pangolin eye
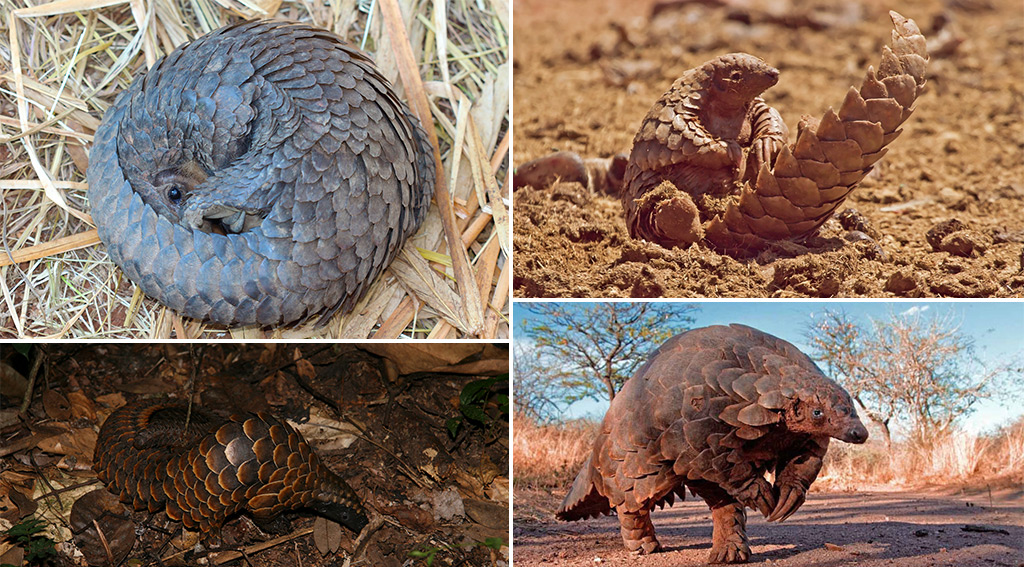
column 735, row 75
column 174, row 194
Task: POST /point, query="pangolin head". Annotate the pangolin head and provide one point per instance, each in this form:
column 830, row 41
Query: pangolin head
column 741, row 77
column 824, row 408
column 171, row 188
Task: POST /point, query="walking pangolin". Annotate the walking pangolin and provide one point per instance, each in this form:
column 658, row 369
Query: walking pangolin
column 713, row 410
column 732, row 180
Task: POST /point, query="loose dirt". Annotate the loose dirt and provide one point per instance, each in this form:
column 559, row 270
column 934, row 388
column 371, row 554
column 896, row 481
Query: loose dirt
column 867, row 529
column 586, row 72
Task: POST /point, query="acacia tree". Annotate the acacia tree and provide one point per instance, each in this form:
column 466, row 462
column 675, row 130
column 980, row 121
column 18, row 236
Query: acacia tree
column 537, row 379
column 598, row 346
column 909, row 368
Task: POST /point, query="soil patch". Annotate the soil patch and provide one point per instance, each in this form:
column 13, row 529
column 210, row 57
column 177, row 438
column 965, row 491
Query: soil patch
column 869, row 529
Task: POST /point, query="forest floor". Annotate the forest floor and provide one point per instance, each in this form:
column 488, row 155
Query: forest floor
column 432, row 498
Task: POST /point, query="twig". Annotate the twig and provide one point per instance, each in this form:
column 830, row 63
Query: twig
column 36, row 363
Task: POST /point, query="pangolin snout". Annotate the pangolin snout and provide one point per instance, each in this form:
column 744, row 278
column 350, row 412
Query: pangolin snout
column 856, row 434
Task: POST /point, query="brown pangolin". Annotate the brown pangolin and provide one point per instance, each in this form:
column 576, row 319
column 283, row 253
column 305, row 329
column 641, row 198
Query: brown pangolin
column 216, row 467
column 713, row 410
column 711, row 160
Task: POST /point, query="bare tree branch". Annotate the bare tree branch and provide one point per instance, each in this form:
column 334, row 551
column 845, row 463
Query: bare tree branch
column 600, row 345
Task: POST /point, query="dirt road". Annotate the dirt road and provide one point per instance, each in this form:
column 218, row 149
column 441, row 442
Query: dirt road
column 586, row 72
column 867, row 529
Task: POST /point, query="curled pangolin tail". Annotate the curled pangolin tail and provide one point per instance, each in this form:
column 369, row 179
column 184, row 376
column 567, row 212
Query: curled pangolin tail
column 583, row 500
column 336, row 500
column 813, row 177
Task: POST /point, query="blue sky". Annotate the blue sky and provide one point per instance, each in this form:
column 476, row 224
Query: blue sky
column 997, row 328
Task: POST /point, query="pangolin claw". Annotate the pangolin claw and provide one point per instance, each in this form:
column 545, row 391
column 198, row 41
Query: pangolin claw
column 789, row 500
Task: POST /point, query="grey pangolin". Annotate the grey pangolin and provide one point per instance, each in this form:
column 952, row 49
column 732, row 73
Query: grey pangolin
column 713, row 410
column 263, row 174
column 711, row 138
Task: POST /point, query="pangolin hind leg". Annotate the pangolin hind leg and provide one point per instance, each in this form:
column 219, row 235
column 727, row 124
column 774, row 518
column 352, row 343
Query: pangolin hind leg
column 670, row 202
column 638, row 531
column 729, row 543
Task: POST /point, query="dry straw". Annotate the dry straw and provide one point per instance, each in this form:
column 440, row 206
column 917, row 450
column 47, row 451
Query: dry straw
column 61, row 65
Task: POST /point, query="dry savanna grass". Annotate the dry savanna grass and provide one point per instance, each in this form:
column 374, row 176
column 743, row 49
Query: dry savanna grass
column 549, row 456
column 62, row 64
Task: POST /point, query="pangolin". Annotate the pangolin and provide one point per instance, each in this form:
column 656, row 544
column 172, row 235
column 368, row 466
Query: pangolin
column 263, row 174
column 732, row 180
column 713, row 410
column 216, row 466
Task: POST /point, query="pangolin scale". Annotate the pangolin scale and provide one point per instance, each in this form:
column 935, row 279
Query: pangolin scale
column 265, row 173
column 216, row 467
column 713, row 410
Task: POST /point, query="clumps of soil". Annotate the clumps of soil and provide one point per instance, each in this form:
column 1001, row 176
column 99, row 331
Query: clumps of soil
column 570, row 243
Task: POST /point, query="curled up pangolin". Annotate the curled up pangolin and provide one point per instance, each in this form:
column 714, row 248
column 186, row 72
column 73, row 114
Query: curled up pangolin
column 265, row 173
column 713, row 410
column 711, row 162
column 216, row 467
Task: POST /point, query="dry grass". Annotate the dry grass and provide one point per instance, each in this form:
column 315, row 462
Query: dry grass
column 952, row 457
column 63, row 63
column 548, row 456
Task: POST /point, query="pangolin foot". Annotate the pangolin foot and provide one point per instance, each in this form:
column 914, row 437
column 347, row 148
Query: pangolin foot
column 645, row 546
column 729, row 553
column 638, row 532
column 678, row 220
column 729, row 538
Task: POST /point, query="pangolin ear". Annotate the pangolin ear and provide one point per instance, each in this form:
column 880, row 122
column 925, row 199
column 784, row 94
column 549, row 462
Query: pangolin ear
column 797, row 408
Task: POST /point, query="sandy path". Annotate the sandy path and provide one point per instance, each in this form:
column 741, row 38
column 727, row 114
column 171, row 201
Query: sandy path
column 908, row 529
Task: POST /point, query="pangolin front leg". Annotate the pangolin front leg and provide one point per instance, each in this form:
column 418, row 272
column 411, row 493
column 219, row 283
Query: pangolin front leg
column 794, row 475
column 695, row 138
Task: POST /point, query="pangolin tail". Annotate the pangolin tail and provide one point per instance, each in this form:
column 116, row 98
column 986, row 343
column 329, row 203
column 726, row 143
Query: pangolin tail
column 583, row 500
column 813, row 177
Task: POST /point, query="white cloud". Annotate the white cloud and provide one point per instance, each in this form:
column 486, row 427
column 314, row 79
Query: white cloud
column 915, row 310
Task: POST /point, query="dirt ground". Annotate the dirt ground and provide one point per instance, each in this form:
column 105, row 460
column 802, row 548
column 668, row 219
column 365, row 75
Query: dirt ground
column 586, row 72
column 431, row 498
column 868, row 529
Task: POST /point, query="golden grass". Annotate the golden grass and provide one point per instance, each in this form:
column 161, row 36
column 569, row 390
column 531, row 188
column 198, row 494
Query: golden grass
column 947, row 458
column 549, row 456
column 62, row 64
